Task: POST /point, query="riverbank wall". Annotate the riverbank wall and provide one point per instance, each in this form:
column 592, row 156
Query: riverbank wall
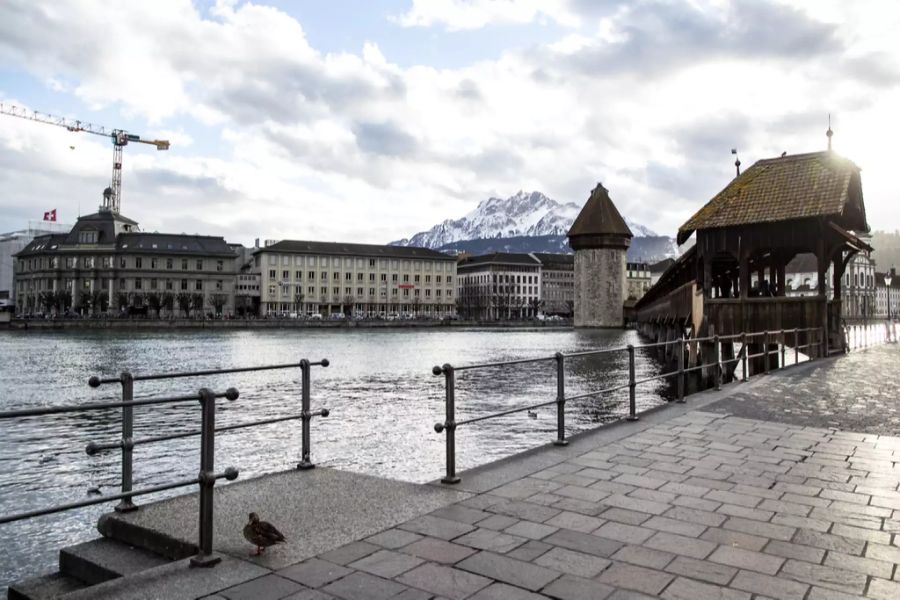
column 88, row 324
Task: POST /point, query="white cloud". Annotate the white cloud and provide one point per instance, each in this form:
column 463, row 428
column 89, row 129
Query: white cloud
column 647, row 98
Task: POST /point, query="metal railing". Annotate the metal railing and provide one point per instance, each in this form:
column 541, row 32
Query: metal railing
column 207, row 432
column 450, row 424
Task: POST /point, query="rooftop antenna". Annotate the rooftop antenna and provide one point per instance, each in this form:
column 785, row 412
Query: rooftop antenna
column 737, row 162
column 829, row 133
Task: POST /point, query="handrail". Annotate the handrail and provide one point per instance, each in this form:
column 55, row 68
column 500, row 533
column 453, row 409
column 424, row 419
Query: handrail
column 718, row 365
column 96, row 381
column 230, row 393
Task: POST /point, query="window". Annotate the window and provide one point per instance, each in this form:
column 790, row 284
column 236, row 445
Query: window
column 138, row 262
column 436, row 293
column 406, row 292
column 371, row 276
column 219, row 284
column 311, row 289
column 371, row 291
column 285, row 275
column 359, row 276
column 406, row 278
column 348, row 276
column 271, row 273
column 384, row 276
column 428, row 293
column 169, row 263
column 87, row 237
column 285, row 260
column 323, row 276
column 273, row 260
column 348, row 291
column 138, row 284
column 184, row 262
column 428, row 279
column 199, row 285
column 336, row 290
column 449, row 279
column 394, row 277
column 359, row 291
column 152, row 284
column 184, row 284
column 394, row 292
column 437, row 278
column 371, row 262
column 416, row 278
column 336, row 276
column 121, row 262
column 298, row 275
column 168, row 284
column 220, row 265
column 324, row 291
column 199, row 264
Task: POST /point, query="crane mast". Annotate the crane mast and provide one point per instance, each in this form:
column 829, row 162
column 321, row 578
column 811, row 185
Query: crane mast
column 112, row 196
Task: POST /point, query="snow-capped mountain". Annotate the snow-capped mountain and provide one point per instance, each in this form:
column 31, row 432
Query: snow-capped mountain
column 524, row 215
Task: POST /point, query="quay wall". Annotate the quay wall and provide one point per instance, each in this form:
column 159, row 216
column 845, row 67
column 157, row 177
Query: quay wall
column 57, row 324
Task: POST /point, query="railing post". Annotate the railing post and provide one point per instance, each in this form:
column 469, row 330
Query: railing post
column 796, row 345
column 782, row 345
column 305, row 416
column 127, row 381
column 745, row 351
column 207, row 479
column 560, row 400
column 766, row 355
column 449, row 425
column 681, row 370
column 632, row 401
column 717, row 366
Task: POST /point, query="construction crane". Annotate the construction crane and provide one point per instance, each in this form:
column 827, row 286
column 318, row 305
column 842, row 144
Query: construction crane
column 112, row 196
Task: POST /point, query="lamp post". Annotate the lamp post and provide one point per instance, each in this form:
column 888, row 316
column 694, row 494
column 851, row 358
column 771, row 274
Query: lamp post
column 888, row 279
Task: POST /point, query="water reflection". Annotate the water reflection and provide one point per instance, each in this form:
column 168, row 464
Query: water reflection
column 383, row 398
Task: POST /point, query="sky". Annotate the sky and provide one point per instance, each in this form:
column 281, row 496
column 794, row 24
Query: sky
column 364, row 121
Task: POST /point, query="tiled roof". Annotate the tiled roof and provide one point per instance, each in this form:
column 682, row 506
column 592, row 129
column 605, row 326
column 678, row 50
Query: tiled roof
column 503, row 258
column 342, row 249
column 599, row 217
column 783, row 189
column 549, row 259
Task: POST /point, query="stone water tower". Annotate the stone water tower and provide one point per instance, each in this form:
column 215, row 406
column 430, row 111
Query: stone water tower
column 600, row 238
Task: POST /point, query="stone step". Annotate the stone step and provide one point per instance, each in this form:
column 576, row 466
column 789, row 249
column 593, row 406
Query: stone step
column 44, row 587
column 104, row 559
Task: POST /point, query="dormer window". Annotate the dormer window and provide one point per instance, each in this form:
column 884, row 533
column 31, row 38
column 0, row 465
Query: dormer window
column 87, row 237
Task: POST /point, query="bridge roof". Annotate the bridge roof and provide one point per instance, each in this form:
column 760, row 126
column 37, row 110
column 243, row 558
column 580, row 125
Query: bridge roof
column 801, row 186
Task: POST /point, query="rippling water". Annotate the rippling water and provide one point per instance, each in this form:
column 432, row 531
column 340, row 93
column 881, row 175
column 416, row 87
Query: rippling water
column 383, row 398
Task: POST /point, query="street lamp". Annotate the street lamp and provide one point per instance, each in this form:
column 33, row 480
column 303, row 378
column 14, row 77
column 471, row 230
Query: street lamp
column 888, row 278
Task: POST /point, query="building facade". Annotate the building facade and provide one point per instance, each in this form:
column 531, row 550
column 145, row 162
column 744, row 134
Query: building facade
column 638, row 279
column 14, row 242
column 326, row 278
column 887, row 295
column 557, row 283
column 858, row 286
column 105, row 264
column 499, row 286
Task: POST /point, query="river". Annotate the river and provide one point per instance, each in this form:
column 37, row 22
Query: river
column 383, row 399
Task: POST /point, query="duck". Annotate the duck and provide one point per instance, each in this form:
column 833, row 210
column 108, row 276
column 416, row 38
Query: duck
column 532, row 414
column 261, row 534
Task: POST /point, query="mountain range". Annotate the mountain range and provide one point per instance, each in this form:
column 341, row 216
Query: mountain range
column 527, row 222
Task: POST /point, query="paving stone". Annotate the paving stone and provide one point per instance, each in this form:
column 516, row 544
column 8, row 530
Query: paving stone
column 580, row 506
column 393, row 538
column 883, row 552
column 796, row 551
column 701, row 569
column 778, row 532
column 700, row 517
column 827, row 541
column 644, row 557
column 413, row 594
column 622, row 515
column 636, row 504
column 529, row 551
column 788, row 508
column 641, row 579
column 803, row 499
column 522, row 488
column 747, row 559
column 628, row 534
column 683, row 489
column 569, row 587
column 640, row 481
column 678, row 544
column 736, row 539
column 629, row 595
column 686, row 589
column 386, row 563
column 572, row 562
column 675, row 526
column 445, row 581
column 460, row 513
column 729, row 497
column 766, row 585
column 501, row 591
column 841, row 580
column 525, row 510
column 497, row 522
column 267, row 587
column 487, row 539
column 867, row 566
column 544, row 499
column 362, row 586
column 733, row 510
column 314, row 572
column 508, row 570
column 444, row 529
column 575, row 522
column 583, row 542
column 802, row 522
column 876, row 537
column 307, row 594
column 439, row 551
column 879, row 589
column 817, row 593
column 581, row 493
column 530, row 530
column 696, row 503
column 349, row 552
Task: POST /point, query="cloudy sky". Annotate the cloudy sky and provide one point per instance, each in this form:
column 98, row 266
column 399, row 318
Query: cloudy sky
column 367, row 121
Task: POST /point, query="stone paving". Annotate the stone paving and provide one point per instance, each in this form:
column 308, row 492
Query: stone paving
column 856, row 393
column 704, row 505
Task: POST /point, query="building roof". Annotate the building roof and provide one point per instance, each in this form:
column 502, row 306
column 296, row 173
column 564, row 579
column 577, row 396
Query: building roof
column 500, row 258
column 343, row 249
column 661, row 266
column 879, row 281
column 107, row 225
column 599, row 218
column 803, row 263
column 551, row 260
column 801, row 186
column 169, row 243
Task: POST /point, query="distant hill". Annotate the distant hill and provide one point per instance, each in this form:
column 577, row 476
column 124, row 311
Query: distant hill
column 526, row 222
column 887, row 250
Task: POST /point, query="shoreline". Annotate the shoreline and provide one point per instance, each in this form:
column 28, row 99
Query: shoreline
column 149, row 324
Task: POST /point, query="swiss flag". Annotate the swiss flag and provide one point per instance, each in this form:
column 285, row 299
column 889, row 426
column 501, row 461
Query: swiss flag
column 50, row 215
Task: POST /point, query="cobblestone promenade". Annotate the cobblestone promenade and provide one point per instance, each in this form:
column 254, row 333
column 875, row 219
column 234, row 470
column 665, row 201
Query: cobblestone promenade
column 702, row 505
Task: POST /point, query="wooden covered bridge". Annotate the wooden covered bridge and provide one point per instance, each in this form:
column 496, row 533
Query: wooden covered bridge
column 732, row 280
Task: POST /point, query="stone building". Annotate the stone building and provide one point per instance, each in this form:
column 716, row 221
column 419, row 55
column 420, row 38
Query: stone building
column 106, row 264
column 600, row 239
column 858, row 287
column 557, row 283
column 638, row 280
column 12, row 243
column 327, row 278
column 499, row 286
column 887, row 295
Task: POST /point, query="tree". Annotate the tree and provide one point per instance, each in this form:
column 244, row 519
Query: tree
column 167, row 301
column 417, row 305
column 298, row 301
column 154, row 301
column 122, row 300
column 462, row 307
column 184, row 302
column 137, row 299
column 535, row 305
column 570, row 307
column 47, row 300
column 348, row 302
column 197, row 302
column 63, row 298
column 99, row 300
column 217, row 300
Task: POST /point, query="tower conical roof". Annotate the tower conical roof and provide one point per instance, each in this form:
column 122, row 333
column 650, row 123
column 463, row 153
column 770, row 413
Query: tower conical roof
column 599, row 223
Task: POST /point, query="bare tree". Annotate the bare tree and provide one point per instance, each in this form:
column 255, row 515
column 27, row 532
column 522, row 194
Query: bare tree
column 167, row 301
column 154, row 301
column 347, row 306
column 217, row 301
column 197, row 302
column 184, row 302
